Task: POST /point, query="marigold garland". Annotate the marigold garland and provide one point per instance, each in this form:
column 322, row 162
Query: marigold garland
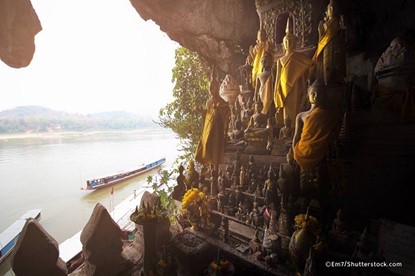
column 192, row 196
column 306, row 222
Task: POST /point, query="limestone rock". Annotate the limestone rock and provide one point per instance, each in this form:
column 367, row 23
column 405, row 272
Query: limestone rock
column 18, row 26
column 102, row 245
column 213, row 28
column 37, row 253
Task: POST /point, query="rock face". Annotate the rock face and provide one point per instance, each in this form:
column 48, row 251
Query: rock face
column 37, row 253
column 18, row 26
column 213, row 28
column 102, row 245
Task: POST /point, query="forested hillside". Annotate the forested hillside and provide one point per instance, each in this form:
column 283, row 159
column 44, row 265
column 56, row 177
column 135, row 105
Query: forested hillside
column 42, row 119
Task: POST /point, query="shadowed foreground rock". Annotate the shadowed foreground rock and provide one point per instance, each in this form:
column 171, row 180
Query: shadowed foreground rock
column 18, row 26
column 102, row 245
column 37, row 253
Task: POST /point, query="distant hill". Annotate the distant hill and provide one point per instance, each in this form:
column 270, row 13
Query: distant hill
column 41, row 119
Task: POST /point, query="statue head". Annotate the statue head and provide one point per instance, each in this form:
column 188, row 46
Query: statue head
column 331, row 10
column 289, row 41
column 214, row 84
column 258, row 106
column 317, row 93
column 261, row 35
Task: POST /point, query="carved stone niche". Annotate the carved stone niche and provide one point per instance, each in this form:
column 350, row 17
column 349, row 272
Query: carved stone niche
column 280, row 26
column 273, row 16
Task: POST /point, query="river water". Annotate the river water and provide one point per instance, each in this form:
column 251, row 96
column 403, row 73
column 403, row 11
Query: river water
column 49, row 171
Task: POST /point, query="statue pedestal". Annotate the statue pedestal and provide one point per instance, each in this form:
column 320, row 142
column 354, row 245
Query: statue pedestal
column 257, row 141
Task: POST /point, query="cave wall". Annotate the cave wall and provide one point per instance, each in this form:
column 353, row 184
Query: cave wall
column 216, row 29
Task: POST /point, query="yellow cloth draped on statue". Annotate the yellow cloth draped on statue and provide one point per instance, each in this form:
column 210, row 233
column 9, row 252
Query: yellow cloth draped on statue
column 210, row 149
column 291, row 84
column 333, row 27
column 266, row 92
column 319, row 130
column 258, row 52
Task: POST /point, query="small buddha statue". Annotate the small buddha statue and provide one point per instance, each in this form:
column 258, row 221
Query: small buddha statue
column 339, row 224
column 236, row 164
column 252, row 184
column 258, row 134
column 258, row 120
column 214, row 182
column 287, row 131
column 251, row 168
column 240, row 214
column 237, row 135
column 242, row 178
column 181, row 188
column 269, row 190
column 192, row 178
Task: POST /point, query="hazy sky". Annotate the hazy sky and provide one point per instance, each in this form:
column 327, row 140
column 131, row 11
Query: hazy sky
column 93, row 56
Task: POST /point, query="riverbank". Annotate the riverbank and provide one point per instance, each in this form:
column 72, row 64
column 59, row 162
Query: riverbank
column 59, row 134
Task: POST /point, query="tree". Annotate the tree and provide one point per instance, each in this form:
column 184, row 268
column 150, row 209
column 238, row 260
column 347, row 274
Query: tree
column 191, row 89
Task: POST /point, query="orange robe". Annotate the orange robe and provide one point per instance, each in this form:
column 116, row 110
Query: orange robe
column 211, row 147
column 319, row 130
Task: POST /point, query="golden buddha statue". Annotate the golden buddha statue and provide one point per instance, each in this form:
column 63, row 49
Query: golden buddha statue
column 330, row 55
column 293, row 70
column 315, row 129
column 264, row 84
column 256, row 53
column 210, row 150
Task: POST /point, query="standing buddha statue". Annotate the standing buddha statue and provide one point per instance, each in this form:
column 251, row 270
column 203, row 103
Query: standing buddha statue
column 330, row 55
column 256, row 53
column 293, row 70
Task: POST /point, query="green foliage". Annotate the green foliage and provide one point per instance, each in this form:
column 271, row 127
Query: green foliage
column 163, row 188
column 190, row 92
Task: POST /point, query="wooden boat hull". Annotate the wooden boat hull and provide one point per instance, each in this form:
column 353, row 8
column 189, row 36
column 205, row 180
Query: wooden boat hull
column 111, row 180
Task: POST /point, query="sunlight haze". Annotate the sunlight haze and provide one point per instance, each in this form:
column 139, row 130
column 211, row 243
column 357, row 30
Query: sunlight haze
column 93, row 56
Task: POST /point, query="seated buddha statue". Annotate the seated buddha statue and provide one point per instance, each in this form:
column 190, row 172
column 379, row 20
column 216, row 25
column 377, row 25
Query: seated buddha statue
column 258, row 133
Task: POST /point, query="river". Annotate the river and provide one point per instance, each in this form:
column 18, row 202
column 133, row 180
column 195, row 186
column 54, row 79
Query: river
column 49, row 172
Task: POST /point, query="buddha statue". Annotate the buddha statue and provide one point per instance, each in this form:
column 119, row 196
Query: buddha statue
column 237, row 135
column 214, row 182
column 293, row 71
column 339, row 225
column 330, row 55
column 258, row 133
column 264, row 85
column 270, row 191
column 210, row 149
column 315, row 129
column 287, row 131
column 181, row 188
column 192, row 178
column 256, row 53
